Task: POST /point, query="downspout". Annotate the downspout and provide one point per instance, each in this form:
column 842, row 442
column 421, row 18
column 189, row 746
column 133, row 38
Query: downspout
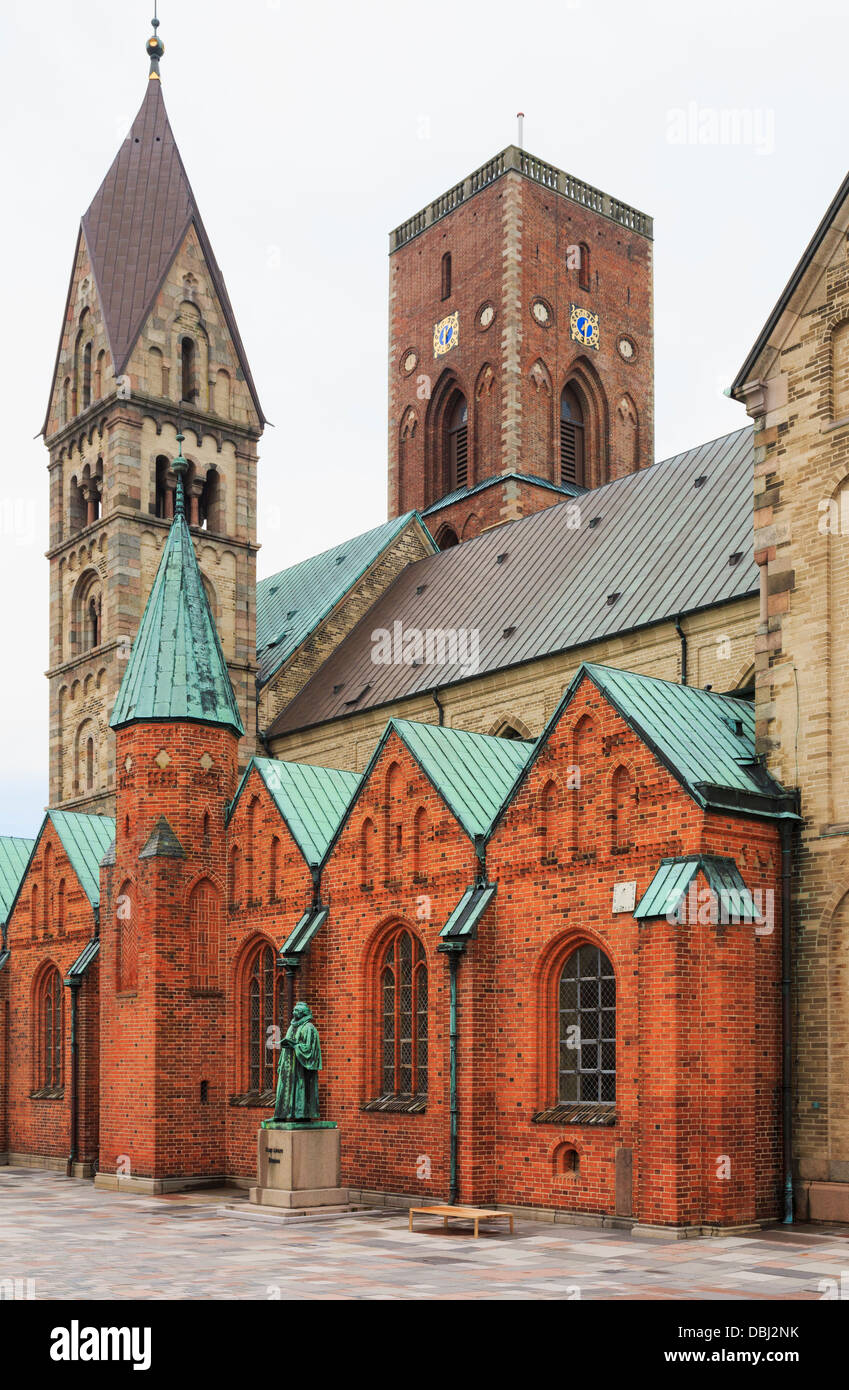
column 453, row 963
column 292, row 961
column 74, row 986
column 439, row 706
column 683, row 636
column 786, row 829
column 455, row 950
column 74, row 983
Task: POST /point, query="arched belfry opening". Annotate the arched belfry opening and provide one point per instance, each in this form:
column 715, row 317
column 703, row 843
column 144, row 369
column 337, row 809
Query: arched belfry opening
column 572, row 436
column 456, row 443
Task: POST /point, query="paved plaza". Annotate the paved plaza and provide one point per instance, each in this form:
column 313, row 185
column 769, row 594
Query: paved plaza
column 62, row 1239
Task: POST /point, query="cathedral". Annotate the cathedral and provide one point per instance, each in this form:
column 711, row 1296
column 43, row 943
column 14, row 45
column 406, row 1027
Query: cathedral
column 537, row 793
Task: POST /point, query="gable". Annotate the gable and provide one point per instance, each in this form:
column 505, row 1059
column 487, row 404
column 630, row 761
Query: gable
column 312, row 801
column 826, row 243
column 83, row 840
column 291, row 604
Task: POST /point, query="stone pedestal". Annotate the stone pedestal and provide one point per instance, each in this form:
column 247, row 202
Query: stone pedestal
column 298, row 1165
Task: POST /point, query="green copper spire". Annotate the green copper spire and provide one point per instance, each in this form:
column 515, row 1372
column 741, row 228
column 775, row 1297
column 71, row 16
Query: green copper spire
column 177, row 668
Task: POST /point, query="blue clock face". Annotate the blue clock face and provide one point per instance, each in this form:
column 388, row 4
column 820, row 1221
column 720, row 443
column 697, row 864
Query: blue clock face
column 446, row 333
column 586, row 329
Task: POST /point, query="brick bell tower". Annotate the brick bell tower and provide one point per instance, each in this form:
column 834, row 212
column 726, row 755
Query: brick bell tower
column 149, row 345
column 521, row 346
column 162, row 977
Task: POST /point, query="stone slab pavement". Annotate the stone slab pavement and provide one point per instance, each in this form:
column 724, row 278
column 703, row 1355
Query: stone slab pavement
column 62, row 1239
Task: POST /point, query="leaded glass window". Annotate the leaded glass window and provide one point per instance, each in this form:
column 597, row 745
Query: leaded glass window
column 587, row 1031
column 51, row 1030
column 403, row 1013
column 263, row 1019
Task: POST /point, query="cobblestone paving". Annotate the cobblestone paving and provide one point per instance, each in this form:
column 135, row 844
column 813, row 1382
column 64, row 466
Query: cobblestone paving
column 78, row 1243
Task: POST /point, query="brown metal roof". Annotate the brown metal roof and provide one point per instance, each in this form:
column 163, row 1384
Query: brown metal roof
column 135, row 226
column 671, row 539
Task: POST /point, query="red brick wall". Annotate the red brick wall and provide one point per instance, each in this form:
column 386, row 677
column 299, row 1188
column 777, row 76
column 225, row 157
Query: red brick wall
column 162, row 1040
column 698, row 1026
column 263, row 911
column 43, row 1126
column 509, row 255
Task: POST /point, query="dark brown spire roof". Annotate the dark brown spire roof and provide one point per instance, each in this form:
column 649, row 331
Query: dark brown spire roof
column 135, row 226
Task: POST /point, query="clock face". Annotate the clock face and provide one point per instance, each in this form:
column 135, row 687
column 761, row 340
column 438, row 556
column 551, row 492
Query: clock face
column 584, row 327
column 626, row 348
column 446, row 335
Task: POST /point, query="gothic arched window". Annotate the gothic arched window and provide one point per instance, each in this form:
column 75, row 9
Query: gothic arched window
column 48, row 1048
column 403, row 1016
column 456, row 442
column 587, row 1028
column 263, row 1017
column 622, row 805
column 571, row 437
column 447, row 537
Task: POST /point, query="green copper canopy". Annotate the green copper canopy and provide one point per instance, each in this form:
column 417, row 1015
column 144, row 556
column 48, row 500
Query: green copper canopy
column 177, row 668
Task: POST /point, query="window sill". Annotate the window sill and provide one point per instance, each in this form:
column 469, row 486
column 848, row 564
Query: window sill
column 48, row 1093
column 399, row 1105
column 254, row 1100
column 582, row 1112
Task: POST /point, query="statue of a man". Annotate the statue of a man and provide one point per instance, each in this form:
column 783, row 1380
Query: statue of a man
column 298, row 1068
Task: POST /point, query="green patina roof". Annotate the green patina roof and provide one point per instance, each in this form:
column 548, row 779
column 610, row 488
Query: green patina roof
column 706, row 739
column 290, row 604
column 300, row 937
column 674, row 876
column 463, row 922
column 177, row 668
column 85, row 839
column 14, row 857
column 312, row 800
column 473, row 773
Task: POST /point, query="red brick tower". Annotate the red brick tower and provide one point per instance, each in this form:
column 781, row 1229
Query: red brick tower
column 162, row 978
column 521, row 346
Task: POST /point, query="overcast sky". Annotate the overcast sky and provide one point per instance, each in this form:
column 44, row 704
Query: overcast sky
column 309, row 131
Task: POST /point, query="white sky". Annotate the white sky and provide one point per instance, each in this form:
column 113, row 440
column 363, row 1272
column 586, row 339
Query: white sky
column 308, row 132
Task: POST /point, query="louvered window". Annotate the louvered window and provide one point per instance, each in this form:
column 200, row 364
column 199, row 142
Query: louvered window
column 571, row 438
column 587, row 1033
column 458, row 443
column 403, row 1008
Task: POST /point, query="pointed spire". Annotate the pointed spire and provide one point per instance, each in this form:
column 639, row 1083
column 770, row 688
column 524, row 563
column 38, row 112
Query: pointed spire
column 155, row 49
column 177, row 669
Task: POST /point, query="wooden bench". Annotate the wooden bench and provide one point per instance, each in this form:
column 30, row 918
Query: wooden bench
column 476, row 1214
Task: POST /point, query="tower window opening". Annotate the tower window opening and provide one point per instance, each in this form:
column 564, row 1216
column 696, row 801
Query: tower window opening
column 86, row 376
column 187, row 359
column 584, row 268
column 457, row 441
column 164, row 504
column 446, row 276
column 571, row 438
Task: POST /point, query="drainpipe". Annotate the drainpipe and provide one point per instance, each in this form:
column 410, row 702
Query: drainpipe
column 455, row 949
column 74, row 986
column 683, row 636
column 786, row 829
column 439, row 706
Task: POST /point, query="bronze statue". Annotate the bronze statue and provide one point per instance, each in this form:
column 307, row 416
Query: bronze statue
column 298, row 1068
